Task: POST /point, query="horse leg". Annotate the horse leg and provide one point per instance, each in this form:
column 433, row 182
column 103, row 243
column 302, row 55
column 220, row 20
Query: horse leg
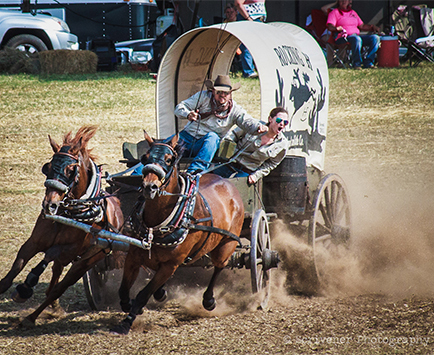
column 42, row 234
column 77, row 270
column 56, row 270
column 26, row 252
column 24, row 291
column 142, row 298
column 219, row 257
column 131, row 271
column 209, row 301
column 161, row 294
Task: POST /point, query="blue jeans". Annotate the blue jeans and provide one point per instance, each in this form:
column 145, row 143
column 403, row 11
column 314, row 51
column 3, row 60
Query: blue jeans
column 357, row 42
column 246, row 58
column 227, row 171
column 202, row 149
column 247, row 61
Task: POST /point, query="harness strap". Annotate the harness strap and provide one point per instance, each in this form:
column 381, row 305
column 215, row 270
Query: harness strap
column 178, row 205
column 209, row 229
column 212, row 229
column 201, row 220
column 94, row 186
column 192, row 226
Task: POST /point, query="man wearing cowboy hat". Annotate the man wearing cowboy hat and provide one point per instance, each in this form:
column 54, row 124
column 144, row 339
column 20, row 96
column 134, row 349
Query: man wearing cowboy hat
column 212, row 114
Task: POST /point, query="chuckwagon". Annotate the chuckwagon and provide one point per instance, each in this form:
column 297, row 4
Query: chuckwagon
column 292, row 73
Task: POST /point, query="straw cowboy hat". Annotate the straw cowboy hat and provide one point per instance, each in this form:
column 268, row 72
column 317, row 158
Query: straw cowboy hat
column 222, row 83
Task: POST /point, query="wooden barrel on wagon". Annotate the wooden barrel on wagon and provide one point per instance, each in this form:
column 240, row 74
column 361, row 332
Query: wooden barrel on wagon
column 284, row 190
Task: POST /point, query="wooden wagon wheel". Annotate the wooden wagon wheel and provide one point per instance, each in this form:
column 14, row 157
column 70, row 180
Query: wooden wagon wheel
column 101, row 283
column 330, row 223
column 99, row 295
column 260, row 247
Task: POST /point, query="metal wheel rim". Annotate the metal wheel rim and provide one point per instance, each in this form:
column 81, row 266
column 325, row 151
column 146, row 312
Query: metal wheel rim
column 331, row 213
column 260, row 240
column 27, row 48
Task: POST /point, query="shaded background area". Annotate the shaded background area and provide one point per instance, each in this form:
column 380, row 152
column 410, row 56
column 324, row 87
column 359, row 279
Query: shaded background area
column 125, row 20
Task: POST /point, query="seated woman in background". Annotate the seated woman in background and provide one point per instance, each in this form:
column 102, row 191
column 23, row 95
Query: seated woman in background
column 259, row 155
column 347, row 24
column 230, row 13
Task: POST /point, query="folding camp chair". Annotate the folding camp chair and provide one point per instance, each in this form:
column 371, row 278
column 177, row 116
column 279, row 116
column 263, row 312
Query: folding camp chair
column 337, row 55
column 414, row 27
column 341, row 53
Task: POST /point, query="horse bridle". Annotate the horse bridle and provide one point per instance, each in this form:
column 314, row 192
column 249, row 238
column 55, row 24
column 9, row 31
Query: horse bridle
column 157, row 164
column 55, row 171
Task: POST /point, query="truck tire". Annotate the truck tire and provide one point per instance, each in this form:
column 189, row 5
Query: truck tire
column 27, row 43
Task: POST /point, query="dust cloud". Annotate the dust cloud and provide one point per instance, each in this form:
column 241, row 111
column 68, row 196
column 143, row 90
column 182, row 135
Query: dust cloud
column 392, row 245
column 391, row 252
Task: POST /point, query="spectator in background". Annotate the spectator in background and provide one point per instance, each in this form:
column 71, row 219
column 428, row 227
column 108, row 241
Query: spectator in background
column 230, row 13
column 328, row 7
column 346, row 25
column 231, row 16
column 249, row 10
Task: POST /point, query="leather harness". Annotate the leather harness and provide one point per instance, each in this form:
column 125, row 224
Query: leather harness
column 176, row 227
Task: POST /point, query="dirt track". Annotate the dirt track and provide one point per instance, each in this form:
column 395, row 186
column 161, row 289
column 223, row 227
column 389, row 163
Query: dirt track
column 381, row 299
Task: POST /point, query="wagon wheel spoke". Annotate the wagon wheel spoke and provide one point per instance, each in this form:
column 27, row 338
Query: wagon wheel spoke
column 322, row 237
column 325, row 207
column 336, row 193
column 325, row 213
column 342, row 209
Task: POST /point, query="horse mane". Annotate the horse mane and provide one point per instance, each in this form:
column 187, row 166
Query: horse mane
column 84, row 134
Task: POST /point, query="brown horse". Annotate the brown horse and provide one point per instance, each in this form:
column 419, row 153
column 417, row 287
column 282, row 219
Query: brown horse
column 211, row 225
column 72, row 189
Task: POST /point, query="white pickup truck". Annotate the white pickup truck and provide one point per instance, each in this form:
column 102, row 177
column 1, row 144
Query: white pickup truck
column 34, row 32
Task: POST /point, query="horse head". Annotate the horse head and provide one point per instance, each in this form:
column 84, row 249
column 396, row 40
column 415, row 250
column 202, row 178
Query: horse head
column 68, row 171
column 160, row 165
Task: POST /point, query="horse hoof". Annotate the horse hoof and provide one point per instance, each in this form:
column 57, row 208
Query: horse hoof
column 160, row 296
column 121, row 329
column 22, row 293
column 210, row 304
column 126, row 306
column 26, row 324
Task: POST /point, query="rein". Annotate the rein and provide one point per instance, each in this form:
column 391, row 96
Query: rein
column 217, row 50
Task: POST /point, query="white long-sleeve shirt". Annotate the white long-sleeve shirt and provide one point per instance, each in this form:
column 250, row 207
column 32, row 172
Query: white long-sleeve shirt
column 237, row 116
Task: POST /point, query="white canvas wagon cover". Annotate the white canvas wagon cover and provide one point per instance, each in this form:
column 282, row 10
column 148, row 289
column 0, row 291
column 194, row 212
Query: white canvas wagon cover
column 292, row 71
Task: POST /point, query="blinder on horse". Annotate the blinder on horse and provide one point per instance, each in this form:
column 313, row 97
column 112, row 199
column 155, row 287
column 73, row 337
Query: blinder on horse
column 157, row 162
column 62, row 175
column 58, row 176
